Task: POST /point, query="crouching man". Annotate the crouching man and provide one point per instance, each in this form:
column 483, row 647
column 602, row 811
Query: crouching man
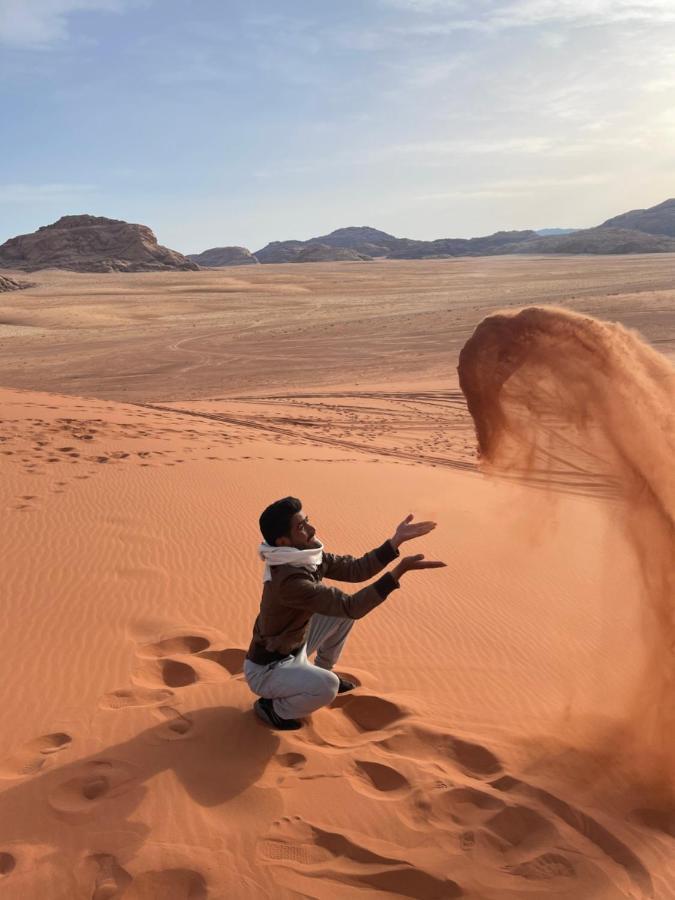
column 299, row 614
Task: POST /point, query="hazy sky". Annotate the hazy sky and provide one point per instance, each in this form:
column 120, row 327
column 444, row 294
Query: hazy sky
column 221, row 122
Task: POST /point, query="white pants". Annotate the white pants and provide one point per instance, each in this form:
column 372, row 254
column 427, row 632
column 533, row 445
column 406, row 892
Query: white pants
column 297, row 686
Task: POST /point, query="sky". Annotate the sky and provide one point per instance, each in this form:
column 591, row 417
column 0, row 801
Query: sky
column 238, row 122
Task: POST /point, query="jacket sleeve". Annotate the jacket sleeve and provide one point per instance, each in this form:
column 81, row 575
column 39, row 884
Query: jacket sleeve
column 348, row 568
column 301, row 592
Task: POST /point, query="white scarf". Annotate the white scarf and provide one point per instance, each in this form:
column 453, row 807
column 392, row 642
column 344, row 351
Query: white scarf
column 289, row 556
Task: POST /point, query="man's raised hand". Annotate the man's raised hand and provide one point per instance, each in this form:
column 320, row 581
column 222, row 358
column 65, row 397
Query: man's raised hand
column 407, row 530
column 410, row 563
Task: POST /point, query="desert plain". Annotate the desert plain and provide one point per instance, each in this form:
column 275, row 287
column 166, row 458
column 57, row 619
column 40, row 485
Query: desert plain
column 147, row 419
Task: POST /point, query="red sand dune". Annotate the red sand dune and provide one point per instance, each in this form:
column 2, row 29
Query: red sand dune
column 507, row 738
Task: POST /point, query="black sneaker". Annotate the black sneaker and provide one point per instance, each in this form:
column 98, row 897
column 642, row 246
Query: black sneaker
column 345, row 685
column 264, row 709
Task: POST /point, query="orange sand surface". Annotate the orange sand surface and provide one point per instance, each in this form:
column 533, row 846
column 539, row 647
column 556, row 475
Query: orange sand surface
column 469, row 760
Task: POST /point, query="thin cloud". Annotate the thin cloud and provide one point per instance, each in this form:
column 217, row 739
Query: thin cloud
column 39, row 193
column 445, row 16
column 447, row 148
column 515, row 187
column 583, row 12
column 41, row 23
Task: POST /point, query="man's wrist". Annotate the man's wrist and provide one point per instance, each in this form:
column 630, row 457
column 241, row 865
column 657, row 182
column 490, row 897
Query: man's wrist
column 395, row 543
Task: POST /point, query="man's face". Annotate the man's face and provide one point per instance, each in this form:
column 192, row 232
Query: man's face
column 302, row 534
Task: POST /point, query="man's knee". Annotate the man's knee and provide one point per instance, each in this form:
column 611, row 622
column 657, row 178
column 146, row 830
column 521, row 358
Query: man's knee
column 328, row 688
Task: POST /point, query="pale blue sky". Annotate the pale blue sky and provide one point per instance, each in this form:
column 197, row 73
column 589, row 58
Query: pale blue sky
column 221, row 122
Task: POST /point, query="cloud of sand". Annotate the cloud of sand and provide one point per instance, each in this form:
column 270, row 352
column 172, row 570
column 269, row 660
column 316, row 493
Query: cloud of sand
column 571, row 403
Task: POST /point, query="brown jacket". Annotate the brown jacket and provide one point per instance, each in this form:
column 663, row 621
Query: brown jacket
column 295, row 592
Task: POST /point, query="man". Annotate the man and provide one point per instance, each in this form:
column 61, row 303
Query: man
column 300, row 614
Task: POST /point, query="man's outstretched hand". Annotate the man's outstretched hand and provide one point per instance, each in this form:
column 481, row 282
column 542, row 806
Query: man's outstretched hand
column 409, row 563
column 407, row 530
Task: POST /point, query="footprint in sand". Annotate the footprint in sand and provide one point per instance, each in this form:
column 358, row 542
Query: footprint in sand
column 170, row 673
column 424, row 742
column 176, row 725
column 33, row 755
column 97, row 781
column 168, row 884
column 521, row 833
column 449, row 807
column 110, row 879
column 378, row 780
column 130, row 698
column 296, row 844
column 182, row 644
column 356, row 720
column 587, row 827
column 544, row 867
column 291, row 760
column 285, row 768
column 7, row 864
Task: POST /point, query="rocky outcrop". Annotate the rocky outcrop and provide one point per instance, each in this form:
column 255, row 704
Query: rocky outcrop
column 315, row 252
column 224, row 256
column 362, row 239
column 367, row 243
column 658, row 219
column 445, row 247
column 9, row 284
column 600, row 240
column 91, row 244
column 279, row 252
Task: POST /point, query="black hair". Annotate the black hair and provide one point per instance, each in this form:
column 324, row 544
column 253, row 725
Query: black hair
column 275, row 522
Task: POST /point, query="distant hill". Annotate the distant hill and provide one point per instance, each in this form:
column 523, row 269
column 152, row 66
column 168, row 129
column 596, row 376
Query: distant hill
column 371, row 243
column 658, row 219
column 480, row 246
column 91, row 244
column 96, row 244
column 362, row 239
column 318, row 252
column 224, row 256
column 600, row 240
column 280, row 252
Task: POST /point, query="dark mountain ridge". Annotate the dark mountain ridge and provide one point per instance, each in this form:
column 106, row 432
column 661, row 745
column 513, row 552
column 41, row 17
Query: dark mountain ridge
column 96, row 244
column 639, row 231
column 659, row 219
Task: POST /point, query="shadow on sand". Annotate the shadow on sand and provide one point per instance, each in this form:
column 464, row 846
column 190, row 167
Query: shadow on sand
column 82, row 810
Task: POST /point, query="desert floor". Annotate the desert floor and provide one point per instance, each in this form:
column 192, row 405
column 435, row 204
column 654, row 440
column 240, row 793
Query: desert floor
column 146, row 421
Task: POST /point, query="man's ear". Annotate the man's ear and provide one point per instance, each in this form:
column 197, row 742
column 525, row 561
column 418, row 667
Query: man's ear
column 283, row 542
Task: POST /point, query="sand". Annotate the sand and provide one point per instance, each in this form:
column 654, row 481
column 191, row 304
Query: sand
column 134, row 465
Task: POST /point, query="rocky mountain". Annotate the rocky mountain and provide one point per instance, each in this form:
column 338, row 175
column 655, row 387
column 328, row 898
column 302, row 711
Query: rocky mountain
column 224, row 256
column 91, row 244
column 658, row 219
column 96, row 244
column 600, row 240
column 362, row 239
column 280, row 251
column 317, row 252
column 481, row 246
column 369, row 243
column 9, row 284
